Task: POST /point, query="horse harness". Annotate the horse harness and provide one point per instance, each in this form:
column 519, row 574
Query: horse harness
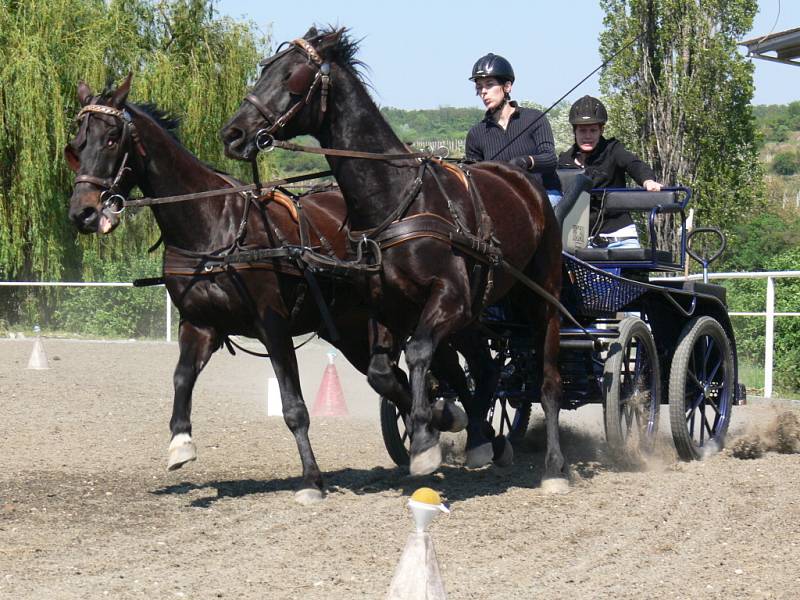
column 397, row 228
column 111, row 195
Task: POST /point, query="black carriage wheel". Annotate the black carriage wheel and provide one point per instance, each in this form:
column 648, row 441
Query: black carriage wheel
column 510, row 418
column 396, row 437
column 632, row 389
column 701, row 388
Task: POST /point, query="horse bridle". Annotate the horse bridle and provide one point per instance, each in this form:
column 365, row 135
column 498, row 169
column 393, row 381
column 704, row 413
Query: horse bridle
column 111, row 196
column 315, row 66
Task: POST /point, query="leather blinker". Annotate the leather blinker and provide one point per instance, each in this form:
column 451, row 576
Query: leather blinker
column 301, row 79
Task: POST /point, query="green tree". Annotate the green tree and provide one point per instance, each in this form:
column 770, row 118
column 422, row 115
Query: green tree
column 680, row 96
column 190, row 62
column 786, row 163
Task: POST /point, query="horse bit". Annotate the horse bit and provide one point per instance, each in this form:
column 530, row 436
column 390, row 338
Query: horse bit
column 111, row 198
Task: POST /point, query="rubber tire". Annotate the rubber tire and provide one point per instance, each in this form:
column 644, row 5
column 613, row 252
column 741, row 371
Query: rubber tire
column 698, row 329
column 397, row 443
column 617, row 434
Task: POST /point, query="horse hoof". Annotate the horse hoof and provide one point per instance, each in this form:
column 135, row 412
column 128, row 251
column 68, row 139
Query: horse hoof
column 426, row 462
column 479, row 456
column 555, row 485
column 503, row 452
column 452, row 414
column 308, row 496
column 181, row 451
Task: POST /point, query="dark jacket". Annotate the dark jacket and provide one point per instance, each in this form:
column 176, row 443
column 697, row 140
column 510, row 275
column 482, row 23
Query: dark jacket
column 487, row 141
column 607, row 167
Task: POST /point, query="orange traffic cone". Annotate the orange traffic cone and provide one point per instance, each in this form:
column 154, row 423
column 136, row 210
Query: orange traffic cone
column 330, row 398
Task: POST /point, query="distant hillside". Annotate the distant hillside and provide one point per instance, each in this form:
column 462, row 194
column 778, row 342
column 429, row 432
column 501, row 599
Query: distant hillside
column 449, row 126
column 776, row 121
column 446, row 126
column 778, row 129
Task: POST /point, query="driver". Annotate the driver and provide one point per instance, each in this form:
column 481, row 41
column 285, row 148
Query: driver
column 491, row 139
column 606, row 162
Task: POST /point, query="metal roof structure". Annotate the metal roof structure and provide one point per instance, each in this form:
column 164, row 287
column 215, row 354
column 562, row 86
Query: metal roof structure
column 783, row 47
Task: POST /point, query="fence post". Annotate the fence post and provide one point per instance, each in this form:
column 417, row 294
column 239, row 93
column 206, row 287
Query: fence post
column 169, row 315
column 769, row 338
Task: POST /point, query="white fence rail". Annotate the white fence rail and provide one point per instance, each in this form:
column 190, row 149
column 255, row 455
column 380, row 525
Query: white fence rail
column 769, row 313
column 167, row 302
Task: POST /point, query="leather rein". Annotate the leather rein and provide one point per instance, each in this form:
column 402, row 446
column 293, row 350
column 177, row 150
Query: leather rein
column 397, row 228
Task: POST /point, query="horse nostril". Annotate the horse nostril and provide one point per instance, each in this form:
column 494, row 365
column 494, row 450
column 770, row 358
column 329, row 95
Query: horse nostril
column 87, row 216
column 232, row 136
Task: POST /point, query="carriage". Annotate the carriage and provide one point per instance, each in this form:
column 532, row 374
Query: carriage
column 633, row 345
column 425, row 252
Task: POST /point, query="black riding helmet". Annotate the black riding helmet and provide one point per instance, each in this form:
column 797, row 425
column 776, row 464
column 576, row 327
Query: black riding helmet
column 493, row 65
column 587, row 111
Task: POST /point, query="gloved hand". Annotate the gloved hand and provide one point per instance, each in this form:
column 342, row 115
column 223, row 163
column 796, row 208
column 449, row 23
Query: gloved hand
column 523, row 162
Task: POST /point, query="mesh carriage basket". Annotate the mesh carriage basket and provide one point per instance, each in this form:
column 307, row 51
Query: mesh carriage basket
column 591, row 292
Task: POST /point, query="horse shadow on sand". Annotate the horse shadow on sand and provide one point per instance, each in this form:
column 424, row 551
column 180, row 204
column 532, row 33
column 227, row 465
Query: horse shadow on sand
column 587, row 454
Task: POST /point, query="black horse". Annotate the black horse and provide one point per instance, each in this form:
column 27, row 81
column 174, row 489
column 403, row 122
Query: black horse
column 120, row 145
column 428, row 287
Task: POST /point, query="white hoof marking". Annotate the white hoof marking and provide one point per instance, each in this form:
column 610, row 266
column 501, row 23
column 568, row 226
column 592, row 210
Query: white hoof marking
column 480, row 456
column 181, row 451
column 426, row 462
column 555, row 485
column 308, row 496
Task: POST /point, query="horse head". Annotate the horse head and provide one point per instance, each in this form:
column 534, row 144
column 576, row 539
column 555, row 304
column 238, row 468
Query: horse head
column 290, row 97
column 100, row 155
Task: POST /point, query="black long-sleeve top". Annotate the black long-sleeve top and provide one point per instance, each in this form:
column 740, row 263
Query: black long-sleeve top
column 607, row 166
column 486, row 141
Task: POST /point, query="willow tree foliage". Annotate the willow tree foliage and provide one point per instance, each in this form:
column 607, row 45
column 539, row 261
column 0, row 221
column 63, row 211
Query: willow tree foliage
column 185, row 59
column 680, row 94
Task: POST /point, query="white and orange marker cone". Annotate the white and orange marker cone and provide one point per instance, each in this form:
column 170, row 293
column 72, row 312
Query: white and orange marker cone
column 330, row 397
column 417, row 575
column 38, row 359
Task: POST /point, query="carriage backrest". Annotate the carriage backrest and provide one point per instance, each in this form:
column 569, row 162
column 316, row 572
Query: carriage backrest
column 572, row 212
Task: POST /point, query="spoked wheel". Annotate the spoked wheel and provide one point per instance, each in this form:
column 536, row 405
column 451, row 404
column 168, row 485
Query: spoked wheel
column 510, row 418
column 632, row 389
column 396, row 437
column 701, row 389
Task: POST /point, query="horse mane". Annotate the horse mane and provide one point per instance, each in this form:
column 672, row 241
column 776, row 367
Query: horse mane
column 169, row 123
column 342, row 50
column 166, row 121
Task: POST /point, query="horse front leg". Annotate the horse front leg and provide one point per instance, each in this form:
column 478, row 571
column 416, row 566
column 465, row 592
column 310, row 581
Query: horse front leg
column 388, row 379
column 196, row 344
column 277, row 338
column 444, row 313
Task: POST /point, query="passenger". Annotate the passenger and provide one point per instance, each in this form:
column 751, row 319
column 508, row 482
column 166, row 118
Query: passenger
column 605, row 161
column 534, row 151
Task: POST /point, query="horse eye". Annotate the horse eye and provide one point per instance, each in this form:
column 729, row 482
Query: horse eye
column 111, row 142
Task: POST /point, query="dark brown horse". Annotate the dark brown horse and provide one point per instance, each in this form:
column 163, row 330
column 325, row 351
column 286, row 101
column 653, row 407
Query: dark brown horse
column 120, row 145
column 426, row 291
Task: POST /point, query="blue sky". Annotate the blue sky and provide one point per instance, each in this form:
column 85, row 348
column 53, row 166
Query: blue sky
column 420, row 53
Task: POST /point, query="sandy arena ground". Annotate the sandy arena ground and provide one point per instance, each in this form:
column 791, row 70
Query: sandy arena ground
column 88, row 510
